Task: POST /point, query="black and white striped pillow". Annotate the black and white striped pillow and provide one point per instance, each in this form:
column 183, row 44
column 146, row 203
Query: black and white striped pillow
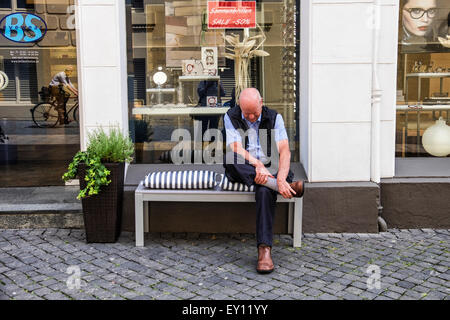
column 226, row 185
column 187, row 179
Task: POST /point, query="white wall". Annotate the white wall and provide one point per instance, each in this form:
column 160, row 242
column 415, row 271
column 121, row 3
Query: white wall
column 336, row 56
column 305, row 88
column 102, row 65
column 387, row 67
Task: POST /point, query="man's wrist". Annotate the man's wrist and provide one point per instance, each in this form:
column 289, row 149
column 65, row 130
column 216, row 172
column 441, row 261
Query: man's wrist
column 257, row 163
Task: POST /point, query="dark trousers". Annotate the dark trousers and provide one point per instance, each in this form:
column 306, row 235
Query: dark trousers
column 265, row 198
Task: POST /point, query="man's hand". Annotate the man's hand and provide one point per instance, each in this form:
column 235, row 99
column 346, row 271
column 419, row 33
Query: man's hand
column 285, row 157
column 261, row 173
column 285, row 189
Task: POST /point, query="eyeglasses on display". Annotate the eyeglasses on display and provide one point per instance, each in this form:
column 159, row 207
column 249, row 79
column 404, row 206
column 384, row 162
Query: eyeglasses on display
column 417, row 13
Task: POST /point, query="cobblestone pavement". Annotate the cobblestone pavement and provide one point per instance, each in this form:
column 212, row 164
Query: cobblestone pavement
column 43, row 264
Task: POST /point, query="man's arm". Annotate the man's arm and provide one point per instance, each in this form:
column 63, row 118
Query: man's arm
column 283, row 169
column 71, row 88
column 285, row 159
column 237, row 147
column 284, row 164
column 261, row 171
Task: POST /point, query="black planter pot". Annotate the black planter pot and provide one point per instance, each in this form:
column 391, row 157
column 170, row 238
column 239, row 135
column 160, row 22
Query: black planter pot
column 102, row 212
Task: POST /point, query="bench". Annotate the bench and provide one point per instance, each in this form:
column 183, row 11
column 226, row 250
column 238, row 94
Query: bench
column 143, row 195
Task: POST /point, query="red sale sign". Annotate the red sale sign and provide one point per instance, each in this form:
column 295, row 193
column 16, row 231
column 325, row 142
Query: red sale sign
column 231, row 14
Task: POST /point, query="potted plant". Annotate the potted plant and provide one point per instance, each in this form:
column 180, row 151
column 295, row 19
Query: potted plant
column 100, row 170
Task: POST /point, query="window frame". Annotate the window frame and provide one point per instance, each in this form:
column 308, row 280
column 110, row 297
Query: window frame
column 15, row 7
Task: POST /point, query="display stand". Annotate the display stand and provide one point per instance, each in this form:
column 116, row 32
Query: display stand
column 201, row 78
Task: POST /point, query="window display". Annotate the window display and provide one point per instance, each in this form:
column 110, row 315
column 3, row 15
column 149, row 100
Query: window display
column 423, row 83
column 208, row 55
column 38, row 91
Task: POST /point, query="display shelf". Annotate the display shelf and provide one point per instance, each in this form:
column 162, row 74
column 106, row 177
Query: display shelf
column 422, row 107
column 174, row 110
column 428, row 75
column 200, row 78
column 162, row 90
column 418, row 109
column 425, row 75
column 190, row 78
column 164, row 46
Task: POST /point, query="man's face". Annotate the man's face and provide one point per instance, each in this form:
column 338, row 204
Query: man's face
column 251, row 109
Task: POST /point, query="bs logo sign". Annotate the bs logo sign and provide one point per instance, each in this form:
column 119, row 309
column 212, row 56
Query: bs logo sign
column 23, row 27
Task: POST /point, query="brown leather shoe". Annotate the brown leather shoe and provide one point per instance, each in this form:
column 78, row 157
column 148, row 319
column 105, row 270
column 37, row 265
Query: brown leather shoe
column 265, row 264
column 299, row 188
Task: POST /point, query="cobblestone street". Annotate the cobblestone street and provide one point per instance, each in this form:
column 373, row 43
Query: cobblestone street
column 44, row 264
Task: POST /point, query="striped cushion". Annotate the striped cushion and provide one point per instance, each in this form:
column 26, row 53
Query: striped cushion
column 226, row 185
column 187, row 179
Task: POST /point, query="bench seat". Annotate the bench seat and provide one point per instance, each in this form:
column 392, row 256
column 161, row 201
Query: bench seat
column 143, row 195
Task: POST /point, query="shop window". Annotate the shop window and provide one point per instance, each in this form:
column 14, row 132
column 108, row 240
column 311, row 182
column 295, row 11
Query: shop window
column 137, row 4
column 17, row 4
column 25, row 4
column 22, row 85
column 5, row 4
column 170, row 44
column 40, row 144
column 423, row 79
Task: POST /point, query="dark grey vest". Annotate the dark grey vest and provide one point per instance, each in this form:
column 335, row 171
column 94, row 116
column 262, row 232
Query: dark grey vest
column 268, row 118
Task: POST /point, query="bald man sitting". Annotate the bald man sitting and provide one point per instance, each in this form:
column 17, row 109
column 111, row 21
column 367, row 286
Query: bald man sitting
column 249, row 163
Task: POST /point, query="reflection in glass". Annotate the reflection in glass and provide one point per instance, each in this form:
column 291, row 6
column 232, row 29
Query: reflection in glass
column 423, row 83
column 42, row 138
column 172, row 34
column 5, row 4
column 25, row 4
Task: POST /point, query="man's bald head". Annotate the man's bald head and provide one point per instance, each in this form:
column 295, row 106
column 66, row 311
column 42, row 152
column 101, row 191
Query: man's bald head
column 250, row 102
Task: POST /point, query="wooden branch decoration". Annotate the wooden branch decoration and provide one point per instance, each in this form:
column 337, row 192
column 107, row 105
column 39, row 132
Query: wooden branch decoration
column 241, row 53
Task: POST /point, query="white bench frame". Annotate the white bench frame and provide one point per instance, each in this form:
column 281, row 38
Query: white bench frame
column 143, row 195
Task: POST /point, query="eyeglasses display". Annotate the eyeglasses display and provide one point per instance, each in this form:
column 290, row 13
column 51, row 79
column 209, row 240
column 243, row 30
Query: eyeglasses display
column 423, row 84
column 417, row 13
